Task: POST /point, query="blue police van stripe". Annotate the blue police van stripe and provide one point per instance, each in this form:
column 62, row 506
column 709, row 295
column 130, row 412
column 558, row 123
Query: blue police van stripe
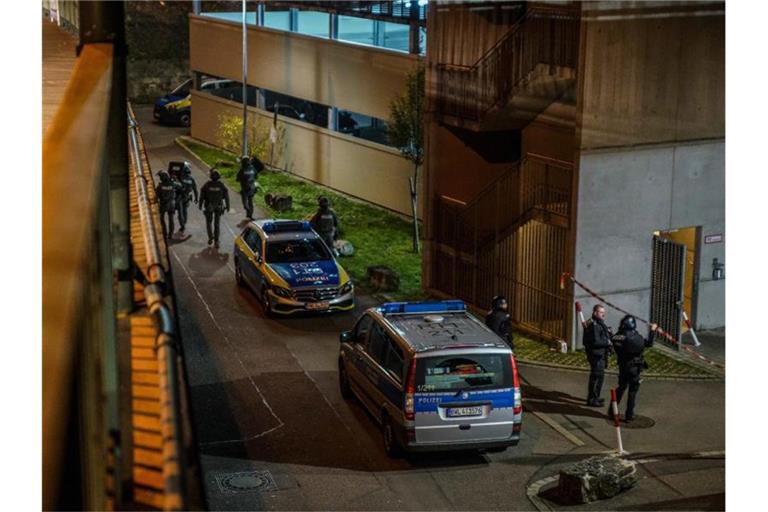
column 308, row 273
column 499, row 398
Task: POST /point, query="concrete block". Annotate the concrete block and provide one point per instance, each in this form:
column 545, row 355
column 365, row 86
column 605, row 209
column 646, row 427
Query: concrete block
column 596, row 478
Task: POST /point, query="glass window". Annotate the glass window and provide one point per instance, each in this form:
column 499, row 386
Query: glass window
column 296, row 251
column 365, row 127
column 362, row 328
column 393, row 361
column 356, row 30
column 253, row 240
column 396, row 36
column 280, row 20
column 314, row 23
column 448, row 373
column 423, row 40
column 377, row 344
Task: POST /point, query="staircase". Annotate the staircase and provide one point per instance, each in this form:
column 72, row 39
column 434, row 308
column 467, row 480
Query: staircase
column 511, row 239
column 528, row 69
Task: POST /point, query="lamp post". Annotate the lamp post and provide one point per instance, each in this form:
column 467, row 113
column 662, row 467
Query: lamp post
column 245, row 82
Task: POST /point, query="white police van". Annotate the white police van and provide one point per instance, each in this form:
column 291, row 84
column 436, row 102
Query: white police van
column 434, row 376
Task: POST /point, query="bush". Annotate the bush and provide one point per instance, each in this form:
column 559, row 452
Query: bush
column 230, row 137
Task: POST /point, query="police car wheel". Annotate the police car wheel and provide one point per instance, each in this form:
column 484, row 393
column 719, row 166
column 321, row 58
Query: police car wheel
column 346, row 391
column 266, row 303
column 185, row 120
column 391, row 445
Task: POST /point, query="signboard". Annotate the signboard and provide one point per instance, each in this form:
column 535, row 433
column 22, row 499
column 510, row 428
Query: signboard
column 713, row 239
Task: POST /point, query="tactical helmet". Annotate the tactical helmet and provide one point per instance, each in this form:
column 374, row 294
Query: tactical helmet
column 214, row 175
column 323, row 202
column 499, row 302
column 164, row 176
column 187, row 168
column 244, row 160
column 628, row 323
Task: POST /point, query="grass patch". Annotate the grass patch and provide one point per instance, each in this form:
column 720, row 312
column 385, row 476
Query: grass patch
column 659, row 363
column 379, row 237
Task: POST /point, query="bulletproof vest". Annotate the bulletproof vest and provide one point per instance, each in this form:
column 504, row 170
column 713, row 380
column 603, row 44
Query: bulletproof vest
column 214, row 195
column 498, row 322
column 187, row 184
column 628, row 345
column 248, row 176
column 165, row 194
column 325, row 223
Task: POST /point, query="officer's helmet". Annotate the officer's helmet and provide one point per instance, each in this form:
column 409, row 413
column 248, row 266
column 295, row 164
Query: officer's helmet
column 187, row 168
column 244, row 160
column 323, row 202
column 628, row 323
column 499, row 302
column 214, row 175
column 164, row 176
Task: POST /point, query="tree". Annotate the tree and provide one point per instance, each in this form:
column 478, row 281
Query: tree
column 405, row 130
column 229, row 136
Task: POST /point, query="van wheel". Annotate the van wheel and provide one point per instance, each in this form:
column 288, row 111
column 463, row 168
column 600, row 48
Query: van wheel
column 391, row 444
column 346, row 390
column 185, row 120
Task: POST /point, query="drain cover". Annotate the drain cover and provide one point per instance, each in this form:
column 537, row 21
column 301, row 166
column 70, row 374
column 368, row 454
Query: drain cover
column 246, row 481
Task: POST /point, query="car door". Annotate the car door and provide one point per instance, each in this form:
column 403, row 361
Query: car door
column 371, row 367
column 356, row 365
column 252, row 251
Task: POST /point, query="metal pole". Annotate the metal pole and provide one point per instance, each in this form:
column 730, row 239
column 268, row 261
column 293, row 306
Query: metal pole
column 245, row 82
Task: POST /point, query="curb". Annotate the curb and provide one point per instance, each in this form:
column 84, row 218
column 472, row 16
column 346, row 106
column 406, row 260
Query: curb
column 532, row 493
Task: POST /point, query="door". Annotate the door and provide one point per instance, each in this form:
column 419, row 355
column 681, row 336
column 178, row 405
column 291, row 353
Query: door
column 690, row 238
column 667, row 287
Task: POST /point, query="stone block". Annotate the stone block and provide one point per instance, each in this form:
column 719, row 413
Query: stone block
column 279, row 202
column 596, row 478
column 383, row 278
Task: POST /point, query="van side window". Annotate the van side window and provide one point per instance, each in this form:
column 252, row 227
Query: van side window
column 361, row 330
column 377, row 345
column 393, row 361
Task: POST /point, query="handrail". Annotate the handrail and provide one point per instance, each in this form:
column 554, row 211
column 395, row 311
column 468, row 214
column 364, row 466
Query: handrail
column 174, row 464
column 73, row 185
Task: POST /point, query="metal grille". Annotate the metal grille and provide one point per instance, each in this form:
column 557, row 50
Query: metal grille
column 316, row 294
column 511, row 239
column 667, row 280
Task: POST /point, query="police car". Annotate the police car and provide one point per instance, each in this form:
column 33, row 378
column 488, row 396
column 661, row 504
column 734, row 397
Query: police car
column 434, row 376
column 290, row 268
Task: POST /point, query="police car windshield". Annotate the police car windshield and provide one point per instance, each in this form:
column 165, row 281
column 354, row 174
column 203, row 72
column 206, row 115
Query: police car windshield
column 295, row 251
column 465, row 371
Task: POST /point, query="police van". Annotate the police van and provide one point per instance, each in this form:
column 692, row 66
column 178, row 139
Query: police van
column 434, row 376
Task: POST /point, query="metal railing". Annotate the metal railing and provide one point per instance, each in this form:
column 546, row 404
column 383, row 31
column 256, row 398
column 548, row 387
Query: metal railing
column 542, row 36
column 511, row 239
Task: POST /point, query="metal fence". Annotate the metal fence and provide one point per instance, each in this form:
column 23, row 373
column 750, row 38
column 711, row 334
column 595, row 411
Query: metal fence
column 513, row 240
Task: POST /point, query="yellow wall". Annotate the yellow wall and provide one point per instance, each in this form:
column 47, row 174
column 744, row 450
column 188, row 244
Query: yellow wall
column 363, row 169
column 652, row 73
column 360, row 79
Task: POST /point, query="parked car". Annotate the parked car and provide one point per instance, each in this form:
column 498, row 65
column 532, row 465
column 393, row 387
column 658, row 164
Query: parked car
column 434, row 377
column 290, row 268
column 176, row 106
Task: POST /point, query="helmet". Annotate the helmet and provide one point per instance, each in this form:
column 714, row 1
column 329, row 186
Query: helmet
column 244, row 160
column 323, row 202
column 187, row 168
column 214, row 175
column 164, row 176
column 628, row 323
column 499, row 302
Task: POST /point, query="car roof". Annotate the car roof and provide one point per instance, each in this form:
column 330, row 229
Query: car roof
column 426, row 331
column 282, row 235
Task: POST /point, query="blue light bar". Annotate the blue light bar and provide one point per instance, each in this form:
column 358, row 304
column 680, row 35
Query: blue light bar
column 286, row 225
column 441, row 306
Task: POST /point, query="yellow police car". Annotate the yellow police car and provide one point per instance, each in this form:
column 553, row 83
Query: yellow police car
column 290, row 268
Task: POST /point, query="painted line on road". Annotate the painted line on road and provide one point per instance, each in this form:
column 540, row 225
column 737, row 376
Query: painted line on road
column 558, row 428
column 240, row 361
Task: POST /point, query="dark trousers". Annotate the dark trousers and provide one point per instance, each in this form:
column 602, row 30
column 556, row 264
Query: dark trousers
column 166, row 218
column 596, row 376
column 629, row 377
column 212, row 218
column 183, row 212
column 247, row 196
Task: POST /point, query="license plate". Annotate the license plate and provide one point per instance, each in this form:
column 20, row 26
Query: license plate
column 317, row 305
column 465, row 411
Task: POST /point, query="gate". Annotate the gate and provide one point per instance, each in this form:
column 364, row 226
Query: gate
column 667, row 281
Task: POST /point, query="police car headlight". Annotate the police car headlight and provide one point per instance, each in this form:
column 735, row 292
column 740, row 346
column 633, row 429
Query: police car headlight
column 282, row 292
column 346, row 288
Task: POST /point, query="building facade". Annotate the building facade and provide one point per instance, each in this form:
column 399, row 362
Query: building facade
column 586, row 138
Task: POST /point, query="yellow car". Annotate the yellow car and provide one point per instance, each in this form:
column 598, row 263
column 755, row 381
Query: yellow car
column 291, row 269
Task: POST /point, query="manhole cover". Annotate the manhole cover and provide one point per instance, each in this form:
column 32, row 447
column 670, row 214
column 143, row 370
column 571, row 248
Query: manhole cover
column 639, row 422
column 246, row 481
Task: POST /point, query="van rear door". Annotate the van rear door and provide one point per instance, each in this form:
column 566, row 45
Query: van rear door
column 464, row 396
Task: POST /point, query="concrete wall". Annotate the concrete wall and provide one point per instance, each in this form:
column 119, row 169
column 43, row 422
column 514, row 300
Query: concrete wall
column 354, row 166
column 356, row 78
column 627, row 194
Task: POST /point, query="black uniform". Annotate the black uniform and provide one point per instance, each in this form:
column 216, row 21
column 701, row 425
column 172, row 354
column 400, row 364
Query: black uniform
column 214, row 200
column 326, row 224
column 500, row 322
column 167, row 191
column 188, row 191
column 246, row 176
column 597, row 344
column 629, row 347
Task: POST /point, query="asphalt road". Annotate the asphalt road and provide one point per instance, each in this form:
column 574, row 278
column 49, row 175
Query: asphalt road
column 275, row 434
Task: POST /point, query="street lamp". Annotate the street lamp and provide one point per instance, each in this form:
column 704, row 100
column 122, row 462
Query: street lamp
column 245, row 82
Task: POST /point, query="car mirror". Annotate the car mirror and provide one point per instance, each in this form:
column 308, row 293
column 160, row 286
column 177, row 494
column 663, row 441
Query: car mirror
column 346, row 337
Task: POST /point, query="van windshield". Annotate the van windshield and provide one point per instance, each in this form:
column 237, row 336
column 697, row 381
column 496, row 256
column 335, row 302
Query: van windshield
column 463, row 371
column 182, row 89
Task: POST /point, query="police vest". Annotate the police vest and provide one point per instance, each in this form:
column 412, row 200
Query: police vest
column 214, row 195
column 188, row 185
column 165, row 195
column 325, row 223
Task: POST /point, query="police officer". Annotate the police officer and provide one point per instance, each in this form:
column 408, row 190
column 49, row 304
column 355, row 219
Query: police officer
column 597, row 346
column 499, row 321
column 214, row 200
column 246, row 176
column 629, row 347
column 166, row 192
column 325, row 222
column 188, row 190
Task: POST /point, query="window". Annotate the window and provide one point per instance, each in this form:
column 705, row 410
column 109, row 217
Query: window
column 356, row 30
column 377, row 344
column 396, row 36
column 448, row 373
column 393, row 361
column 362, row 328
column 314, row 23
column 360, row 125
column 253, row 240
column 280, row 20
